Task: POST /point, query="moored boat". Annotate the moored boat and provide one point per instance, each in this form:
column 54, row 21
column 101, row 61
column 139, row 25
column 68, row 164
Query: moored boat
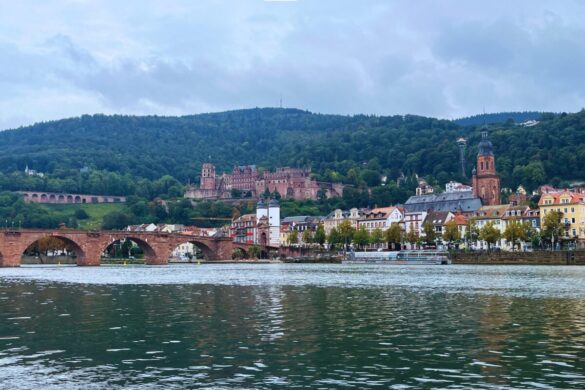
column 397, row 258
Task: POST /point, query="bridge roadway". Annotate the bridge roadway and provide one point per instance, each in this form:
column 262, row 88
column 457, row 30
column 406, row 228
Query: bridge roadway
column 89, row 245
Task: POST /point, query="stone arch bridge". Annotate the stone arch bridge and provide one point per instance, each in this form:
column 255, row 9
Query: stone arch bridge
column 89, row 245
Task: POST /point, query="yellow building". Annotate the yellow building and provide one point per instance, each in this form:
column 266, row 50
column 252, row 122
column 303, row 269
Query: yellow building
column 572, row 205
column 336, row 217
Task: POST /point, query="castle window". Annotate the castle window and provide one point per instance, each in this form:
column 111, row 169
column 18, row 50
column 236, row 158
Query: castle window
column 481, row 165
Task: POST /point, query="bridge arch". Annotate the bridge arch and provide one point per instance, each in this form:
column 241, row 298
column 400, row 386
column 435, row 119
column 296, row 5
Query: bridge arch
column 243, row 250
column 43, row 243
column 150, row 255
column 208, row 253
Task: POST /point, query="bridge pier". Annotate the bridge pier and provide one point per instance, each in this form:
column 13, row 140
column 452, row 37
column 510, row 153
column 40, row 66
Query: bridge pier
column 10, row 260
column 10, row 249
column 89, row 261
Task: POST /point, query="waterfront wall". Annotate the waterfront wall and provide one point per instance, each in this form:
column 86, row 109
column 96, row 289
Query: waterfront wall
column 520, row 258
column 48, row 260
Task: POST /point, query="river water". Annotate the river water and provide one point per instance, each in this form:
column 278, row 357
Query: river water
column 292, row 326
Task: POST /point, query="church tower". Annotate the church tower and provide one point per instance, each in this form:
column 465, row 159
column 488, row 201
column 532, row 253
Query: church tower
column 485, row 180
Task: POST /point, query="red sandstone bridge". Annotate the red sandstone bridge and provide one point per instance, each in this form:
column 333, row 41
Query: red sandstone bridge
column 89, row 245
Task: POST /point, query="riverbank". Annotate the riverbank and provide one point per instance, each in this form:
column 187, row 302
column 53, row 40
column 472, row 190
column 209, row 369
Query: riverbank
column 519, row 258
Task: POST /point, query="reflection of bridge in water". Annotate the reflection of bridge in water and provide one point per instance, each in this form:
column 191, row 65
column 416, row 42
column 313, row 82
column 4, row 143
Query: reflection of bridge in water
column 89, row 245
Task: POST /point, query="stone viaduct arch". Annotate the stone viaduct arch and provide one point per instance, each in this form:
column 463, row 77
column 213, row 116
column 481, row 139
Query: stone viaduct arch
column 73, row 245
column 89, row 245
column 149, row 253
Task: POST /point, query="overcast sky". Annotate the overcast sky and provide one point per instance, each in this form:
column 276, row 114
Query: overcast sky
column 446, row 59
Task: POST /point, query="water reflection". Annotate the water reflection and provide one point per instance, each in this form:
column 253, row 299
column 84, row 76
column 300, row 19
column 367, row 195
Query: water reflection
column 253, row 335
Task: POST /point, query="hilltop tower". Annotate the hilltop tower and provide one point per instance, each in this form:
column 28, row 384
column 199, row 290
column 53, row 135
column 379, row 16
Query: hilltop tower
column 462, row 143
column 208, row 177
column 485, row 180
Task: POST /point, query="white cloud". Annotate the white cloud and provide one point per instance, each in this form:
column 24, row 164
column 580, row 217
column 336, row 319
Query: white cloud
column 447, row 59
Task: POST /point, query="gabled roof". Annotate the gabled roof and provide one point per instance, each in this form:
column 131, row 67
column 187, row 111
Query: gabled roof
column 491, row 212
column 460, row 219
column 446, row 201
column 574, row 197
column 299, row 219
column 437, row 217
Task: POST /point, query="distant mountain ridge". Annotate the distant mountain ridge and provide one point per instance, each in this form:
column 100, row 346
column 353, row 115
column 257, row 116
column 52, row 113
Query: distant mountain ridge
column 356, row 149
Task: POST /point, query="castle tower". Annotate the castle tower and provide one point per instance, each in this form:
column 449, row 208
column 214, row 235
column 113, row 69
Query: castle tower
column 485, row 181
column 261, row 210
column 462, row 143
column 208, row 177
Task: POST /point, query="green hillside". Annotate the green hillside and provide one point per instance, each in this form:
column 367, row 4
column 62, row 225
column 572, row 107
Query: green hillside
column 128, row 154
column 95, row 213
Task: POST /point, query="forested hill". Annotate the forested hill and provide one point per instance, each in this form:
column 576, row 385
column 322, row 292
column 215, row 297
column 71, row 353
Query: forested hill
column 500, row 117
column 354, row 149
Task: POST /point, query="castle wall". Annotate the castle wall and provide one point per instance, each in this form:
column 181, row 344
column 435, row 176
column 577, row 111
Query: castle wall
column 290, row 183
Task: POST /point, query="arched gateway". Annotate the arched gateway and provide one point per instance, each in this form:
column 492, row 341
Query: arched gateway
column 88, row 246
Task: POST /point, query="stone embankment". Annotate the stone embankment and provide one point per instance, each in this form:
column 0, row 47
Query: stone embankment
column 520, row 258
column 49, row 260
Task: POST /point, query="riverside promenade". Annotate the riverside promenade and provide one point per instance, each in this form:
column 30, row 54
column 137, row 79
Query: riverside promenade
column 520, row 258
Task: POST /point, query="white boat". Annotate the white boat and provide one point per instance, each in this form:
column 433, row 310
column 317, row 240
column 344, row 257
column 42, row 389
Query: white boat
column 402, row 257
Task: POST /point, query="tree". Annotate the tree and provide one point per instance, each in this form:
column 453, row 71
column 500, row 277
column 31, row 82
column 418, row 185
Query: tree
column 236, row 213
column 515, row 232
column 361, row 237
column 490, row 234
column 552, row 228
column 430, row 233
column 237, row 254
column 81, row 214
column 377, row 237
column 334, row 239
column 127, row 248
column 472, row 232
column 236, row 193
column 412, row 236
column 393, row 235
column 451, row 232
column 254, row 252
column 346, row 232
column 115, row 220
column 293, row 237
column 320, row 236
column 531, row 235
column 307, row 237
